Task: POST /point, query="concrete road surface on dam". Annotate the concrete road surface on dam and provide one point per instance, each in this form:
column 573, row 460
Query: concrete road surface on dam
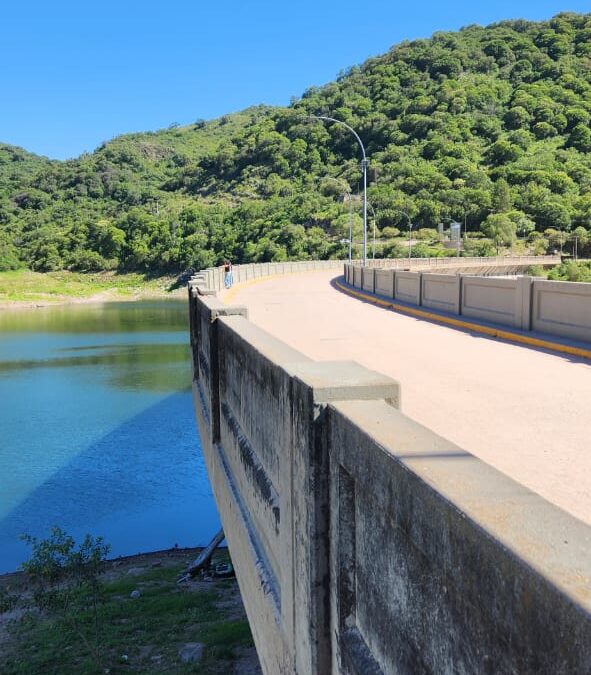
column 526, row 412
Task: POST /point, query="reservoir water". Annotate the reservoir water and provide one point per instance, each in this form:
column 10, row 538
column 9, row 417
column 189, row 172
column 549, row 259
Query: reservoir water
column 97, row 430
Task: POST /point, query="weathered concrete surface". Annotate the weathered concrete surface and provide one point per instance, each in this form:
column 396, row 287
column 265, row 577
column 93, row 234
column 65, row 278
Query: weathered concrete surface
column 457, row 265
column 257, row 403
column 525, row 412
column 363, row 542
column 440, row 564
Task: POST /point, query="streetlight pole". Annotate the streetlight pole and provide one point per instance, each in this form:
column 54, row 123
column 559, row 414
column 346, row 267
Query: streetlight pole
column 349, row 199
column 373, row 213
column 576, row 247
column 364, row 165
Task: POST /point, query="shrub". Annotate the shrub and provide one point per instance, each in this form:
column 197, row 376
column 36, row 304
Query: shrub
column 66, row 580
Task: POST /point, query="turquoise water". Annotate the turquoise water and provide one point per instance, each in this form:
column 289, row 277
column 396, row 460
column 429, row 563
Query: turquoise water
column 97, row 431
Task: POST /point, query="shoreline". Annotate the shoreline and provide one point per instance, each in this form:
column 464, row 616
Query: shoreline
column 103, row 297
column 26, row 289
column 171, row 554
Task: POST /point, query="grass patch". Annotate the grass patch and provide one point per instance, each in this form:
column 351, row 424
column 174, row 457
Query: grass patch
column 141, row 635
column 24, row 285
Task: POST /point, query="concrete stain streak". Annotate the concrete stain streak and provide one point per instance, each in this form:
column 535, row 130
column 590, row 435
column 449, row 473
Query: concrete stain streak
column 252, row 462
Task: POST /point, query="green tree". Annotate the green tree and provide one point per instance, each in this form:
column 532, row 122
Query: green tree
column 65, row 579
column 500, row 228
column 524, row 226
column 580, row 138
column 502, row 198
column 9, row 259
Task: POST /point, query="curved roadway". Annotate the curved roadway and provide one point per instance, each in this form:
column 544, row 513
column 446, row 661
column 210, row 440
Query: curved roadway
column 527, row 412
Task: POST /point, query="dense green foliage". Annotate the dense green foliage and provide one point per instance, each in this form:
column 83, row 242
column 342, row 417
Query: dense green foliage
column 486, row 125
column 571, row 271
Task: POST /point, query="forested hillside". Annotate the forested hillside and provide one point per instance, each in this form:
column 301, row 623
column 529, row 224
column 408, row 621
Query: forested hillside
column 483, row 125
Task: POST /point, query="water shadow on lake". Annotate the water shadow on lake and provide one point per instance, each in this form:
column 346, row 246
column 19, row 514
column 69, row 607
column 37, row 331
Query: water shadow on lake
column 143, row 486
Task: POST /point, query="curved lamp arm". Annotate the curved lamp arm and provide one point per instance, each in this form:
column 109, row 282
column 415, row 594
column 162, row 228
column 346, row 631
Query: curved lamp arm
column 364, row 165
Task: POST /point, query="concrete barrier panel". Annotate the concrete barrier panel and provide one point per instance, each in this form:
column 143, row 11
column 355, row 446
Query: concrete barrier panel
column 357, row 276
column 407, row 287
column 384, row 282
column 442, row 292
column 495, row 299
column 368, row 276
column 562, row 308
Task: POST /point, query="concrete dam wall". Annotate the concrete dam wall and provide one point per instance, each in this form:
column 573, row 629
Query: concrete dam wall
column 363, row 542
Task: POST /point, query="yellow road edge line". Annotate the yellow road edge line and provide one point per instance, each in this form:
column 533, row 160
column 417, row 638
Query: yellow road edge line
column 475, row 327
column 239, row 285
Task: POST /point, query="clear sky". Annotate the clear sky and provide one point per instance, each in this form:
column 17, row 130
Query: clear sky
column 75, row 74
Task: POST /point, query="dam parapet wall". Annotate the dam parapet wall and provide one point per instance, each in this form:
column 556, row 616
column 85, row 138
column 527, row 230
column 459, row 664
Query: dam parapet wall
column 211, row 279
column 559, row 308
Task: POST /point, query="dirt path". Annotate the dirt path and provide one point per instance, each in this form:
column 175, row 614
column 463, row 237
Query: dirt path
column 524, row 411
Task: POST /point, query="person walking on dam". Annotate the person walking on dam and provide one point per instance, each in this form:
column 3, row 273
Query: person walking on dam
column 228, row 278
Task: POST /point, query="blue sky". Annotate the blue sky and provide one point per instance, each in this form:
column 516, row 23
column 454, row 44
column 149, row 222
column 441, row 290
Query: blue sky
column 77, row 73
